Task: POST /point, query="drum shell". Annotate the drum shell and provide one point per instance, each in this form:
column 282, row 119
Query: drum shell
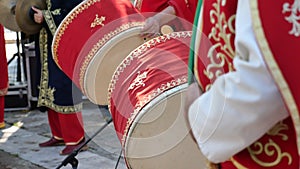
column 86, row 30
column 146, row 97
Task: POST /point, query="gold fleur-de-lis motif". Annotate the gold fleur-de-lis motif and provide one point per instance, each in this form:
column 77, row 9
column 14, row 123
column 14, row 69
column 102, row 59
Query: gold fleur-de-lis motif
column 294, row 16
column 98, row 21
column 138, row 81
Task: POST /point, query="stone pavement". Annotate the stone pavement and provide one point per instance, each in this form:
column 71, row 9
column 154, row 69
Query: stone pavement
column 25, row 129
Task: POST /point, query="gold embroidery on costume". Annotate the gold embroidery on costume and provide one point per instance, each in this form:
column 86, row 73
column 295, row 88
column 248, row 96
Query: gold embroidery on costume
column 50, row 21
column 276, row 130
column 271, row 148
column 222, row 33
column 275, row 70
column 138, row 81
column 46, row 93
column 294, row 16
column 98, row 21
column 56, row 12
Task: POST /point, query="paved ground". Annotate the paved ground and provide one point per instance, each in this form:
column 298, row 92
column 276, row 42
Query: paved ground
column 26, row 129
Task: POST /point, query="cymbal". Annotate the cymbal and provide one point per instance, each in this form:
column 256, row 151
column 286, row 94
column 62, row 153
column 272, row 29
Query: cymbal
column 23, row 12
column 7, row 15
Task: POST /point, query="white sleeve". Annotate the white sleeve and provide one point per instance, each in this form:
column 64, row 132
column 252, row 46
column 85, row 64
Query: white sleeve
column 241, row 106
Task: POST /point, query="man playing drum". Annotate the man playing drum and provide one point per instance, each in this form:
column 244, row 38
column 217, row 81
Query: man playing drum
column 61, row 98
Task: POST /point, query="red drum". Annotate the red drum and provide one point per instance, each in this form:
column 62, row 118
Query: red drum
column 146, row 97
column 93, row 39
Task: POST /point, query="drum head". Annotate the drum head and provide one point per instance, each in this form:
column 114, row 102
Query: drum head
column 104, row 63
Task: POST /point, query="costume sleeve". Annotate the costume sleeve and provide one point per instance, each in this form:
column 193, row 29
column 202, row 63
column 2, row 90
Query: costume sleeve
column 241, row 106
column 184, row 8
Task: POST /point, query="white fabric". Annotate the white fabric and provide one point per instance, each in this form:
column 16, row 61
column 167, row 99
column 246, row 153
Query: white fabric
column 241, row 106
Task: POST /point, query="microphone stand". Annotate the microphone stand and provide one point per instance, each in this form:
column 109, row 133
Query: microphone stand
column 72, row 157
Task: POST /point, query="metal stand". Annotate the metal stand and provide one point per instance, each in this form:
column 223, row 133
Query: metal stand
column 71, row 158
column 16, row 98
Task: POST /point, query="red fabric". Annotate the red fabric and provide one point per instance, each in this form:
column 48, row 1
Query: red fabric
column 2, row 108
column 71, row 59
column 185, row 9
column 66, row 126
column 275, row 143
column 283, row 45
column 287, row 57
column 203, row 61
column 162, row 60
column 3, row 62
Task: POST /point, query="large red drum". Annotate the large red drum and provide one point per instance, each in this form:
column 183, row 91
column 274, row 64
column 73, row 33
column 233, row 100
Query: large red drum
column 93, row 39
column 146, row 97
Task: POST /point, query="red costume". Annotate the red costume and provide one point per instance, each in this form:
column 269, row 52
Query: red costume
column 4, row 75
column 280, row 147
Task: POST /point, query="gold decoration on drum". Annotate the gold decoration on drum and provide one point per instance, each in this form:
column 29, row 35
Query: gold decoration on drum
column 138, row 81
column 98, row 21
column 155, row 92
column 221, row 33
column 64, row 25
column 271, row 148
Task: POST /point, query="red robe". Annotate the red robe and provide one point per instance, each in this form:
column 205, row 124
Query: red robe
column 278, row 148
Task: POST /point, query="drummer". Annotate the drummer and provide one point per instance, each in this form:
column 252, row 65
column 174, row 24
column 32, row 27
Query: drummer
column 57, row 94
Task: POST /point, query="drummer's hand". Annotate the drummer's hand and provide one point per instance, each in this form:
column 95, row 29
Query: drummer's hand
column 151, row 28
column 38, row 15
column 193, row 92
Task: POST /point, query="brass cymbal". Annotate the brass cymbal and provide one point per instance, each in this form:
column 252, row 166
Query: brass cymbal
column 23, row 12
column 7, row 15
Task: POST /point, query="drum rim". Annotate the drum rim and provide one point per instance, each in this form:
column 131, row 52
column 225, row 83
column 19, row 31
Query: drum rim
column 164, row 95
column 102, row 50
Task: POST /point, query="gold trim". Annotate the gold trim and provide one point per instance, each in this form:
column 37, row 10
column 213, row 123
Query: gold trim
column 275, row 70
column 50, row 21
column 56, row 11
column 46, row 93
column 237, row 164
column 98, row 21
column 69, row 19
column 222, row 39
column 218, row 34
column 269, row 149
column 99, row 44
